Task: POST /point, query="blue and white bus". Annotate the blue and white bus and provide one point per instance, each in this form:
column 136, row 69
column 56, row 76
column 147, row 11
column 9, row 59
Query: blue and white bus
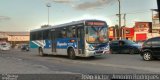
column 84, row 38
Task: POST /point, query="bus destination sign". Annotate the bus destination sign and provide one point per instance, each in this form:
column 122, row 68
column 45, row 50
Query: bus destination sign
column 95, row 23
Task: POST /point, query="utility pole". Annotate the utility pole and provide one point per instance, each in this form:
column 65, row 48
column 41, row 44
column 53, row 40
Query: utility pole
column 124, row 20
column 48, row 5
column 116, row 32
column 124, row 31
column 119, row 19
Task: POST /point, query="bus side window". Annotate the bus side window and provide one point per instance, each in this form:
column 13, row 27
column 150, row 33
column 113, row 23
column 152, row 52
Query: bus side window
column 59, row 35
column 32, row 37
column 63, row 33
column 39, row 35
column 46, row 34
column 78, row 33
column 69, row 30
column 73, row 32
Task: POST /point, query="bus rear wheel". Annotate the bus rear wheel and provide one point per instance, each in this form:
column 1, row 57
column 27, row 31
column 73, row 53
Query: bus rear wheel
column 41, row 52
column 71, row 54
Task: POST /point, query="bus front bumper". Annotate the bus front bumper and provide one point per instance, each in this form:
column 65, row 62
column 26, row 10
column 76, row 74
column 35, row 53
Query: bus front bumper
column 96, row 53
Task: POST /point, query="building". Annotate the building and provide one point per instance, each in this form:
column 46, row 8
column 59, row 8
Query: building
column 128, row 33
column 141, row 30
column 111, row 32
column 3, row 36
column 155, row 22
column 15, row 38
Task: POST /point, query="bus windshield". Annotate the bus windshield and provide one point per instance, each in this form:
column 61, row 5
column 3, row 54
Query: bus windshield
column 96, row 34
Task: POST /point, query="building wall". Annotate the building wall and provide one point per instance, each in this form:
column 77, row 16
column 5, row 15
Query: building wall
column 137, row 38
column 155, row 23
column 3, row 35
column 141, row 30
column 18, row 38
column 14, row 38
column 150, row 35
column 111, row 33
column 128, row 33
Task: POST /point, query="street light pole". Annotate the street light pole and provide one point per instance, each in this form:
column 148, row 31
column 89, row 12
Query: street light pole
column 48, row 5
column 119, row 19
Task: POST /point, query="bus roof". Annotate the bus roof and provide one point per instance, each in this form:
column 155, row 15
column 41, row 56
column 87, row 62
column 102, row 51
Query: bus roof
column 65, row 24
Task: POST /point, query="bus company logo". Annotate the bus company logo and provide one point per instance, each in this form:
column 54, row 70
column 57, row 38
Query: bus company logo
column 61, row 44
column 70, row 44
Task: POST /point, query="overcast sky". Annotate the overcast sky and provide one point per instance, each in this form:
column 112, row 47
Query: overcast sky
column 25, row 15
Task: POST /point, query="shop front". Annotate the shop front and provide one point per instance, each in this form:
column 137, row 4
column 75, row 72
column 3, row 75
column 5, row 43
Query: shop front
column 128, row 33
column 142, row 29
column 111, row 33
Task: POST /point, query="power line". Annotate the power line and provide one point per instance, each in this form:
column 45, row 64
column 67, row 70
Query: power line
column 135, row 12
column 138, row 12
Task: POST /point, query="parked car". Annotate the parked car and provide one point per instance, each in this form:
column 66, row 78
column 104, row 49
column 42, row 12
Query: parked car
column 24, row 47
column 124, row 46
column 151, row 49
column 5, row 46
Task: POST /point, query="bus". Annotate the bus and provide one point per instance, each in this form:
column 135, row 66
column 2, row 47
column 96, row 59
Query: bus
column 83, row 38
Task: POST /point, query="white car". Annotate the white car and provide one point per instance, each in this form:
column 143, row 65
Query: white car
column 5, row 46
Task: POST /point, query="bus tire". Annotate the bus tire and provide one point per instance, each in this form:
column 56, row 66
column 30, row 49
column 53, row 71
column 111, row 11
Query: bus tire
column 41, row 52
column 71, row 54
column 111, row 51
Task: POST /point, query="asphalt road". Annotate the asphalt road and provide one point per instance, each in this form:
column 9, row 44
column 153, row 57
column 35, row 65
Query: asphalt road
column 16, row 61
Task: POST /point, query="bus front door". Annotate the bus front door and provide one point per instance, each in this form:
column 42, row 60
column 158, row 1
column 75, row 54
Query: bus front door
column 53, row 36
column 80, row 36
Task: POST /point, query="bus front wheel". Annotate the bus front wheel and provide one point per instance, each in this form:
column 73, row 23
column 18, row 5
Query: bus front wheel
column 71, row 54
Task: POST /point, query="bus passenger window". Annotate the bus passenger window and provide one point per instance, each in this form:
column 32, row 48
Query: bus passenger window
column 73, row 32
column 64, row 34
column 59, row 33
column 69, row 32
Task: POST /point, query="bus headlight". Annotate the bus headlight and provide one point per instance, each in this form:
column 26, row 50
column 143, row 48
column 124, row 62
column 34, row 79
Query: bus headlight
column 107, row 48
